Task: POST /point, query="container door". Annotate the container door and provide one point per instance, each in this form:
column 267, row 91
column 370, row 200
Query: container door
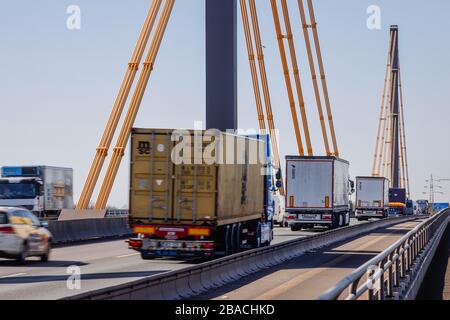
column 151, row 177
column 370, row 193
column 195, row 189
column 309, row 184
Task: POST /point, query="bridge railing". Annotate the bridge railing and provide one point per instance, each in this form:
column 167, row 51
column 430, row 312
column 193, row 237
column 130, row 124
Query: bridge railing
column 388, row 275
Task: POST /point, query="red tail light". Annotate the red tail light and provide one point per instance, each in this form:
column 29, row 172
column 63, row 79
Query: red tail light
column 7, row 230
column 208, row 245
column 135, row 243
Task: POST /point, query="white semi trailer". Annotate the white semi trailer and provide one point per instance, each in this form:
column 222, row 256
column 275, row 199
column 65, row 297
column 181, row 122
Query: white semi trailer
column 317, row 192
column 372, row 198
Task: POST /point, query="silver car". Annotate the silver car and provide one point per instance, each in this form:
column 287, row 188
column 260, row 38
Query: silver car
column 22, row 235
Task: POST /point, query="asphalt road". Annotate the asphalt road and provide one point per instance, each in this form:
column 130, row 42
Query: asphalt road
column 307, row 277
column 102, row 264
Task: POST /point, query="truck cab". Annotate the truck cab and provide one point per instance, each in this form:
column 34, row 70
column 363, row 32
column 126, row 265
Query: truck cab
column 22, row 192
column 43, row 190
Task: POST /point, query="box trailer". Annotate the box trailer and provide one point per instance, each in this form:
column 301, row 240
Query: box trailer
column 44, row 190
column 372, row 198
column 317, row 192
column 397, row 201
column 196, row 194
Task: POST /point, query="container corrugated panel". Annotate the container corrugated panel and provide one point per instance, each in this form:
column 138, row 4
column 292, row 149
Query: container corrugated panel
column 163, row 192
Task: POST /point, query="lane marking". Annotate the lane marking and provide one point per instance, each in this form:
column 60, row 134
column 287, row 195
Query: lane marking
column 13, row 275
column 128, row 255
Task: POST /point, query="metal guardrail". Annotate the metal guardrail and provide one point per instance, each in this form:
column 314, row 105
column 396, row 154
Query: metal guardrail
column 390, row 274
column 116, row 213
column 195, row 280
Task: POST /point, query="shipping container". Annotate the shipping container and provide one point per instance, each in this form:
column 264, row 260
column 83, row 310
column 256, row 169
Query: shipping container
column 44, row 190
column 372, row 197
column 317, row 192
column 192, row 186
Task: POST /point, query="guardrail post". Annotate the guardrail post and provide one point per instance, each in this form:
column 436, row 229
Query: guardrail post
column 390, row 285
column 397, row 268
column 382, row 281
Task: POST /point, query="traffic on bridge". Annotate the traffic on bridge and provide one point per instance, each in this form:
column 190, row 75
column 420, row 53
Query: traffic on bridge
column 248, row 154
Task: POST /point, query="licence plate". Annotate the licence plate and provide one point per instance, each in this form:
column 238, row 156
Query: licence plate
column 171, row 245
column 311, row 217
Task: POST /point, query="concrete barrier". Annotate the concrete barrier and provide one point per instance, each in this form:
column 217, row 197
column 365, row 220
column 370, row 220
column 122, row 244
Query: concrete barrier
column 65, row 231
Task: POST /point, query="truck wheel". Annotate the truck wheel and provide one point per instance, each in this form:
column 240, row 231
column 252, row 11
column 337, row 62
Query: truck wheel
column 235, row 238
column 238, row 238
column 147, row 255
column 228, row 241
column 296, row 227
column 335, row 221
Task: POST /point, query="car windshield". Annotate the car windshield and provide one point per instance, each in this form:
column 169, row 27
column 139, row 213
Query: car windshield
column 17, row 190
column 21, row 217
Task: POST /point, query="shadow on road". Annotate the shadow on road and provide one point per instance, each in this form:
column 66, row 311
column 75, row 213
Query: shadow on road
column 39, row 264
column 87, row 276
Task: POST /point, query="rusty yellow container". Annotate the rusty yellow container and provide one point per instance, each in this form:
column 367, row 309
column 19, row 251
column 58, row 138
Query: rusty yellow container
column 190, row 178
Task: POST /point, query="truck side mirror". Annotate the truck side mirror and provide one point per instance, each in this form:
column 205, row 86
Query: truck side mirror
column 278, row 176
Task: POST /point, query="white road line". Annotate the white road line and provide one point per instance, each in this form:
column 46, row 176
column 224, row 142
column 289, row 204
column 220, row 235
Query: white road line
column 13, row 275
column 128, row 255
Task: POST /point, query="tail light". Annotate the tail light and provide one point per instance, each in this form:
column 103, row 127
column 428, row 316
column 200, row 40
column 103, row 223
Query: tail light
column 7, row 230
column 208, row 245
column 291, row 218
column 327, row 202
column 135, row 243
column 327, row 217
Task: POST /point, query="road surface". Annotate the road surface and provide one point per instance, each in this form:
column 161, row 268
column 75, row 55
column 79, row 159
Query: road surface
column 102, row 264
column 309, row 276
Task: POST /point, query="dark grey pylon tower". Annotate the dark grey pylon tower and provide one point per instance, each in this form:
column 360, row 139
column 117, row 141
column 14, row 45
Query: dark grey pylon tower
column 395, row 109
column 221, row 64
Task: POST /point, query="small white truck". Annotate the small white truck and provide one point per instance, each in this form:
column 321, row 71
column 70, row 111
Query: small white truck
column 372, row 198
column 317, row 192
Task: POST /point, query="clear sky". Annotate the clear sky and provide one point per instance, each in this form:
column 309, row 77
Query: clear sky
column 57, row 86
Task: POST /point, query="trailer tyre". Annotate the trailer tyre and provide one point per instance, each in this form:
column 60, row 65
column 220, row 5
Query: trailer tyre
column 147, row 256
column 235, row 238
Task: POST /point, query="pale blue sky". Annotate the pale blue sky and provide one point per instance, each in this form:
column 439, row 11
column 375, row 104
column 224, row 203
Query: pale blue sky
column 57, row 86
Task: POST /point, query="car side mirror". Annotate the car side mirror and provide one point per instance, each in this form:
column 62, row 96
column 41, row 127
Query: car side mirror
column 279, row 184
